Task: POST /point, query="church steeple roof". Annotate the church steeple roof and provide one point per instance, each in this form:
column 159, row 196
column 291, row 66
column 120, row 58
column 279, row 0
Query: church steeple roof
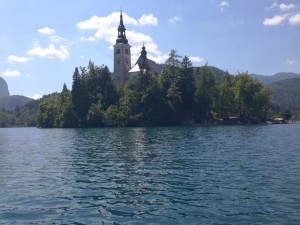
column 121, row 32
column 144, row 52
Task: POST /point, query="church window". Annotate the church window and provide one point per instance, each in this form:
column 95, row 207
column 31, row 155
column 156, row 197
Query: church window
column 118, row 51
column 126, row 51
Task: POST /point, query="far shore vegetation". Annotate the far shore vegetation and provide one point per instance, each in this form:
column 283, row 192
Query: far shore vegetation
column 180, row 95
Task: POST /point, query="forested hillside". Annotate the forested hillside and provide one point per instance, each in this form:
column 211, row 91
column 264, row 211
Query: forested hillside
column 11, row 102
column 286, row 94
column 21, row 116
column 274, row 78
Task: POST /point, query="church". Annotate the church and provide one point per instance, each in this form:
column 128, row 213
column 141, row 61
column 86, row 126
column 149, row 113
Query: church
column 122, row 58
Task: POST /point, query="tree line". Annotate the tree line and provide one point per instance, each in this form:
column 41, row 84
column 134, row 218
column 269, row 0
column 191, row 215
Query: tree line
column 180, row 95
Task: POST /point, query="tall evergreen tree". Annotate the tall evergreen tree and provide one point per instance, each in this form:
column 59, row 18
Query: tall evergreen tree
column 186, row 84
column 205, row 93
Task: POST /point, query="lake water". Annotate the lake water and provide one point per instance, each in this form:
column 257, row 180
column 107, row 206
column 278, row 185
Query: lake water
column 157, row 175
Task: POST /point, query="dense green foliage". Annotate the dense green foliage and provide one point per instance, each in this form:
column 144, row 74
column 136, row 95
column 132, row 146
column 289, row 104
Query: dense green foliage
column 179, row 95
column 286, row 94
column 21, row 116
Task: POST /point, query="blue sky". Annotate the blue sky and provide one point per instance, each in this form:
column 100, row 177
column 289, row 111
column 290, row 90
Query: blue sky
column 42, row 42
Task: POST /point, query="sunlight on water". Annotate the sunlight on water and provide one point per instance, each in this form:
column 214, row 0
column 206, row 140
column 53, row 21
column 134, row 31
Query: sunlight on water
column 157, row 175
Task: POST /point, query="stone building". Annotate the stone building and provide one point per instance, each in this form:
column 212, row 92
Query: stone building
column 122, row 58
column 122, row 55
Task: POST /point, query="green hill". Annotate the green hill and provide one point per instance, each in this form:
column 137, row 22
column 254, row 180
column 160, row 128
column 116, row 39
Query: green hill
column 11, row 102
column 274, row 78
column 286, row 94
column 22, row 116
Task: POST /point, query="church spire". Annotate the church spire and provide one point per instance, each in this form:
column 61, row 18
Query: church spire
column 121, row 31
column 144, row 52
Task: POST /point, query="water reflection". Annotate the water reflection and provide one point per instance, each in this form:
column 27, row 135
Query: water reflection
column 175, row 175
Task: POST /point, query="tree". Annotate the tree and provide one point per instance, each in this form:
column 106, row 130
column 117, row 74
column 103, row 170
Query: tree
column 48, row 114
column 79, row 96
column 225, row 99
column 186, row 84
column 252, row 100
column 205, row 93
column 114, row 117
column 95, row 115
column 173, row 60
column 142, row 100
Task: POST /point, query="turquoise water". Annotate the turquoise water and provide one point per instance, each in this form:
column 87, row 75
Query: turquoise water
column 159, row 175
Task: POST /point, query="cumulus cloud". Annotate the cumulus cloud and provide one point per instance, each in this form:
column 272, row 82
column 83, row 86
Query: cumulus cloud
column 50, row 52
column 46, row 31
column 36, row 96
column 148, row 20
column 196, row 59
column 14, row 58
column 274, row 21
column 106, row 29
column 112, row 20
column 224, row 4
column 175, row 19
column 292, row 16
column 285, row 7
column 11, row 73
column 295, row 19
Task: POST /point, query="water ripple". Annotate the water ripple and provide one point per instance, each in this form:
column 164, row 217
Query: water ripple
column 157, row 175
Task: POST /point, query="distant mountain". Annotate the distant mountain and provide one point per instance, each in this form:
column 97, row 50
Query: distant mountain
column 11, row 102
column 274, row 78
column 3, row 88
column 286, row 93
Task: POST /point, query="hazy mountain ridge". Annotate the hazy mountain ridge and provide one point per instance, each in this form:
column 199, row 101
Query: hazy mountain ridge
column 11, row 102
column 275, row 78
column 3, row 88
column 286, row 93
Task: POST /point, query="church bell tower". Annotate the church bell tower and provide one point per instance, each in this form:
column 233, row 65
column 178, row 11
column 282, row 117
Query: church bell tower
column 122, row 55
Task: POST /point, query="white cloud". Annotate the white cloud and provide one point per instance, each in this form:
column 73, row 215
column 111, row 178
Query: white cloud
column 47, row 31
column 56, row 38
column 36, row 96
column 148, row 20
column 224, row 4
column 295, row 19
column 196, row 59
column 112, row 20
column 88, row 38
column 274, row 5
column 14, row 58
column 106, row 29
column 175, row 19
column 285, row 7
column 276, row 20
column 158, row 58
column 291, row 62
column 11, row 73
column 50, row 52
